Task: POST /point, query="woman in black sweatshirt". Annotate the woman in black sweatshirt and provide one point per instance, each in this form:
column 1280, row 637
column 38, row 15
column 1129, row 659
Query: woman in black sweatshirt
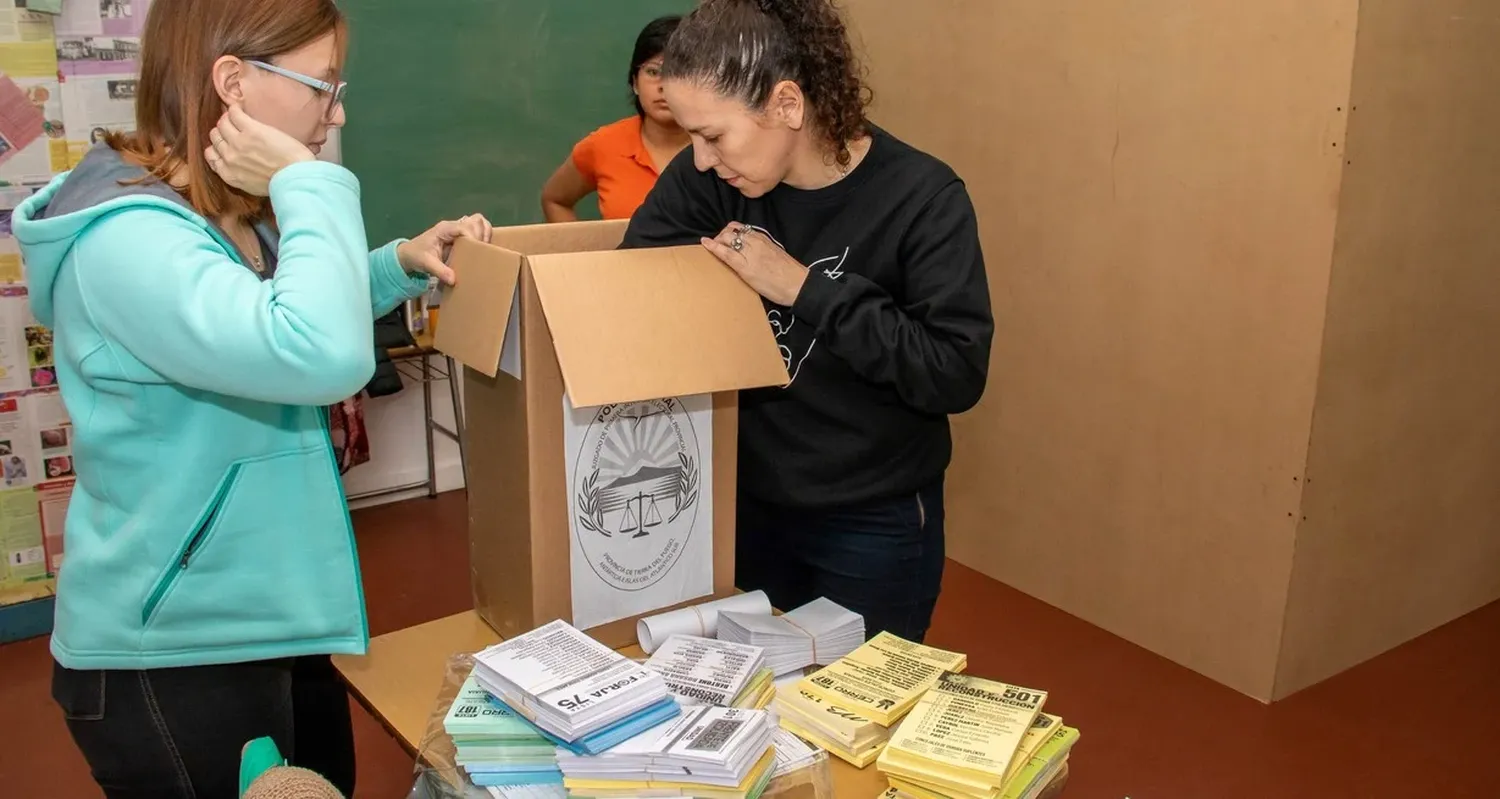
column 867, row 254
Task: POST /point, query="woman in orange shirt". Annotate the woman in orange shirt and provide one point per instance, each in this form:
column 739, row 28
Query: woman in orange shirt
column 621, row 160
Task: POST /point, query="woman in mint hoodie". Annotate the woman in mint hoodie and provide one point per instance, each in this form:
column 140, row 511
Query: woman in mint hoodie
column 209, row 288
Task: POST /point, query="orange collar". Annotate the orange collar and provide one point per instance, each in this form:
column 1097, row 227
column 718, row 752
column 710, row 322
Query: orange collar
column 641, row 155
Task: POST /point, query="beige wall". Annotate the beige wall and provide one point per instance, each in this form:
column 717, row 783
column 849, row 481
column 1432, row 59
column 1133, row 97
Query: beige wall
column 1403, row 504
column 1157, row 183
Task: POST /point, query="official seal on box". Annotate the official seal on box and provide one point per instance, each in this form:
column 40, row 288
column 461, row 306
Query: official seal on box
column 636, row 489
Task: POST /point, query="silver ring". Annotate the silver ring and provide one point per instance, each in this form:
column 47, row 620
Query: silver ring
column 738, row 243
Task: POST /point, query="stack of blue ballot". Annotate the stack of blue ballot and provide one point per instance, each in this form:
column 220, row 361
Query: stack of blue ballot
column 495, row 746
column 576, row 692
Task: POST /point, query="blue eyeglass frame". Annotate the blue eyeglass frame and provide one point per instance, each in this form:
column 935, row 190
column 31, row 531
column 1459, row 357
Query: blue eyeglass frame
column 336, row 91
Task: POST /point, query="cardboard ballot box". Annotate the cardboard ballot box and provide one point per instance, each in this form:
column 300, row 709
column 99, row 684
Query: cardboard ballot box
column 601, row 407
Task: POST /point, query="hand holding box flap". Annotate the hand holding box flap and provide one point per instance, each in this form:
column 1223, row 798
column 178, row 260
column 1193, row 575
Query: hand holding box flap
column 476, row 312
column 633, row 325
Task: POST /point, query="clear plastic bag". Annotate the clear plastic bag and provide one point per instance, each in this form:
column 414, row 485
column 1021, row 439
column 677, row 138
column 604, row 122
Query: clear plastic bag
column 437, row 775
column 812, row 781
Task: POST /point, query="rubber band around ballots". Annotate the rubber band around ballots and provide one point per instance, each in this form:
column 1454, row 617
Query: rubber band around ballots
column 809, row 635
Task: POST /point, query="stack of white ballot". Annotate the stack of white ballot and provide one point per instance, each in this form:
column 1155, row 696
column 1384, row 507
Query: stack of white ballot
column 702, row 671
column 818, row 633
column 707, row 752
column 582, row 694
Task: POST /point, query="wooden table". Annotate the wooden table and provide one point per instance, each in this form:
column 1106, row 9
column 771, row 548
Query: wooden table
column 399, row 680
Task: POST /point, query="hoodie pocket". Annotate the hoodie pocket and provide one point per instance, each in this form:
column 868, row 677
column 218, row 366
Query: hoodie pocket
column 202, row 530
column 271, row 565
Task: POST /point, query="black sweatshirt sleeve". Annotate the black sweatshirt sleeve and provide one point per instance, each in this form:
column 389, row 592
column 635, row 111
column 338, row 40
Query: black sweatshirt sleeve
column 678, row 211
column 934, row 349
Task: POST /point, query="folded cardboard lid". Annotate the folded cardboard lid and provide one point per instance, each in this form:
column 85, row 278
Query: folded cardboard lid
column 627, row 325
column 475, row 312
column 471, row 324
column 589, row 236
column 632, row 325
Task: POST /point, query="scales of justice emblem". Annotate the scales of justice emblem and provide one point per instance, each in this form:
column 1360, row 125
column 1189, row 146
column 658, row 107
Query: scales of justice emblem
column 636, row 489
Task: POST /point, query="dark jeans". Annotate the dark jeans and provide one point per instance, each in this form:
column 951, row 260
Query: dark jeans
column 177, row 733
column 883, row 560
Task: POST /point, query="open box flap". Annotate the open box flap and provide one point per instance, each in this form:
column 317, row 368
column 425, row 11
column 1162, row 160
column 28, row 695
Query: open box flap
column 476, row 313
column 547, row 239
column 634, row 325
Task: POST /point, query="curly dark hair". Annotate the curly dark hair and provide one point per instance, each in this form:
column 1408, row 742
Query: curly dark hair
column 743, row 48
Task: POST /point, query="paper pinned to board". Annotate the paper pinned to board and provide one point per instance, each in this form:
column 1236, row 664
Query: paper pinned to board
column 640, row 506
column 45, row 6
column 700, row 620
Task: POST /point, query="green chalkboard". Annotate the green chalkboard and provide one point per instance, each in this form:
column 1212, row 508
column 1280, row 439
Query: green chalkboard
column 458, row 106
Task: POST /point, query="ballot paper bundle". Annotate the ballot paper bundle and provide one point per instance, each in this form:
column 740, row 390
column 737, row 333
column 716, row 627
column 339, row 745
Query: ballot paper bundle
column 884, row 677
column 496, row 747
column 817, row 633
column 703, row 671
column 848, row 706
column 707, row 752
column 583, row 695
column 972, row 738
column 1044, row 769
column 1047, row 769
column 832, row 726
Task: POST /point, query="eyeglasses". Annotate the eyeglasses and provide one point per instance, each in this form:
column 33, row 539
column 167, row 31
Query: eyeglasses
column 334, row 91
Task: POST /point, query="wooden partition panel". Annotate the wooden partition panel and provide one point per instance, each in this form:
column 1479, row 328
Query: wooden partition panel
column 1157, row 183
column 1403, row 504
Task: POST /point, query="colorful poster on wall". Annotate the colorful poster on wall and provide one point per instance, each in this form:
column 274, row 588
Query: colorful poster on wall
column 27, row 45
column 100, row 38
column 52, row 502
column 21, row 538
column 93, row 105
column 26, row 357
column 66, row 76
column 12, row 270
column 73, row 66
column 33, row 143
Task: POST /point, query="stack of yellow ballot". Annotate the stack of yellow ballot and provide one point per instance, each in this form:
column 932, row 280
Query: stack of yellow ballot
column 972, row 738
column 832, row 726
column 848, row 706
column 758, row 693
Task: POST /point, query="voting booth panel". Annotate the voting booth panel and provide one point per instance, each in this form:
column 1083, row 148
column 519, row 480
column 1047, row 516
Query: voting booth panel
column 1218, row 235
column 602, row 422
column 1400, row 521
